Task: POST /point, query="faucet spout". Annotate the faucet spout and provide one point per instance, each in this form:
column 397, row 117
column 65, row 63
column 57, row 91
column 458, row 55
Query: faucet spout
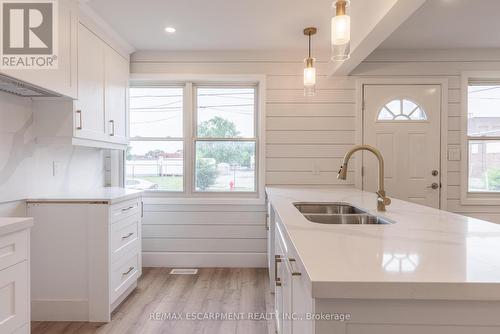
column 382, row 199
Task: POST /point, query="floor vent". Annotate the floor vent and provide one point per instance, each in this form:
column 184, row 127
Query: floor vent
column 183, row 271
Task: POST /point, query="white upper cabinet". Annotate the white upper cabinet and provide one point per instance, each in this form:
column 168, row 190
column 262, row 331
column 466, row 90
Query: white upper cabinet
column 90, row 108
column 98, row 117
column 63, row 79
column 116, row 95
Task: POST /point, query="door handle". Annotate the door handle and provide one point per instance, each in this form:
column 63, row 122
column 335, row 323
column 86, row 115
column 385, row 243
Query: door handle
column 434, row 186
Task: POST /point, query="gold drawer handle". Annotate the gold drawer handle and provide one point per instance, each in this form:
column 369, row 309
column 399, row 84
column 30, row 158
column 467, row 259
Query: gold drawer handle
column 128, row 235
column 277, row 259
column 128, row 271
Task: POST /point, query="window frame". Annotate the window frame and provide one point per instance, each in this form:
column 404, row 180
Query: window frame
column 182, row 139
column 189, row 195
column 195, row 138
column 408, row 120
column 476, row 197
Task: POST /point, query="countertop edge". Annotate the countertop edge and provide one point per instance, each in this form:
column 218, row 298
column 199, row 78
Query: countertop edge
column 17, row 224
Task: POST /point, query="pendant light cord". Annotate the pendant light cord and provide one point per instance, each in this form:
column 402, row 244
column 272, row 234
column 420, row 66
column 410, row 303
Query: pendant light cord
column 309, row 45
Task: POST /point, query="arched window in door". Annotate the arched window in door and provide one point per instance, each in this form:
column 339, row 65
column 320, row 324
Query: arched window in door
column 401, row 110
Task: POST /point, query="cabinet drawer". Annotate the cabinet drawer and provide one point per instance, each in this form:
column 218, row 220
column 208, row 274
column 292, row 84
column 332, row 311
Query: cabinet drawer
column 13, row 248
column 125, row 237
column 125, row 209
column 14, row 297
column 123, row 275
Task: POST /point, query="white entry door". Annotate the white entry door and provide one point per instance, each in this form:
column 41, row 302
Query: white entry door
column 403, row 121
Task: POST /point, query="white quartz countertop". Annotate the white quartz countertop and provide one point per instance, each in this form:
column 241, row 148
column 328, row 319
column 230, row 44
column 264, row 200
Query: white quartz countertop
column 105, row 194
column 14, row 224
column 426, row 254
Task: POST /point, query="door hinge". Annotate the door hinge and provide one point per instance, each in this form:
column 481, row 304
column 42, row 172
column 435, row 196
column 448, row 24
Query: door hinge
column 363, row 105
column 362, row 171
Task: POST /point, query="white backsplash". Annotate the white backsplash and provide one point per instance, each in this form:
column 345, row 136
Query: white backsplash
column 27, row 168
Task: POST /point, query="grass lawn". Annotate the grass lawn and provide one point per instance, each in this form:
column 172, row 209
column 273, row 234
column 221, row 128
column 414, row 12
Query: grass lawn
column 170, row 183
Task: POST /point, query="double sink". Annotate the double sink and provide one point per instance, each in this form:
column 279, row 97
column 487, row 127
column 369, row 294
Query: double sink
column 338, row 213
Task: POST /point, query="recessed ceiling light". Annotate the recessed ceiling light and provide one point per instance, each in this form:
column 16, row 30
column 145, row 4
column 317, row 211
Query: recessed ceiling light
column 170, row 30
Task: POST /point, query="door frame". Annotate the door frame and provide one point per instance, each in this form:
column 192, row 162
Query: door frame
column 359, row 118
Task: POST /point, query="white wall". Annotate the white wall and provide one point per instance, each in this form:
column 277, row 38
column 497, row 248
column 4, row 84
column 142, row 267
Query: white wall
column 440, row 64
column 303, row 135
column 26, row 167
column 306, row 139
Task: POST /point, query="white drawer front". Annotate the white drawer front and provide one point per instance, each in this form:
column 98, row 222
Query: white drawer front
column 124, row 275
column 125, row 237
column 13, row 248
column 125, row 209
column 14, row 297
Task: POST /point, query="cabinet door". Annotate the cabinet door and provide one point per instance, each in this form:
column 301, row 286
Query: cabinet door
column 116, row 95
column 63, row 79
column 278, row 290
column 14, row 300
column 302, row 302
column 89, row 116
column 283, row 291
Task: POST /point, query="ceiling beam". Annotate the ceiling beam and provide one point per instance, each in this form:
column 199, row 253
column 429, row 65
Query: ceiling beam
column 371, row 24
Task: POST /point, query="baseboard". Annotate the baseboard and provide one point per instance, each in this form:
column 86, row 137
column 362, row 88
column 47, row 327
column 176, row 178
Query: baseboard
column 204, row 260
column 60, row 310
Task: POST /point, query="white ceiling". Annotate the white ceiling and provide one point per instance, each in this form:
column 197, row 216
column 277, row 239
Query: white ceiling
column 217, row 24
column 449, row 24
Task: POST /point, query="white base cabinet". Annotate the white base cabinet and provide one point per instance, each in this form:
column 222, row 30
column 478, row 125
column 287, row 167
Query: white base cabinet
column 297, row 312
column 15, row 277
column 86, row 257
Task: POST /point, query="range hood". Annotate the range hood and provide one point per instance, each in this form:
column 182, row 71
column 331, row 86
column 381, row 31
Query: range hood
column 21, row 88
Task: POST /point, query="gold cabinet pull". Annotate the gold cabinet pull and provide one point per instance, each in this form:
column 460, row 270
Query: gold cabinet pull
column 277, row 259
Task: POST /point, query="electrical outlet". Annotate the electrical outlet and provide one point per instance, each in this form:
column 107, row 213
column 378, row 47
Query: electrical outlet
column 315, row 169
column 56, row 168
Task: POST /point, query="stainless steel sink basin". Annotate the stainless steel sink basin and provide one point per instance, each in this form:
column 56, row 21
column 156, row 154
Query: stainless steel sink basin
column 359, row 219
column 338, row 213
column 327, row 208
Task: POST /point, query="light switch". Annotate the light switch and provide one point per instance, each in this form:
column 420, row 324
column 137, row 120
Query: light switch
column 453, row 154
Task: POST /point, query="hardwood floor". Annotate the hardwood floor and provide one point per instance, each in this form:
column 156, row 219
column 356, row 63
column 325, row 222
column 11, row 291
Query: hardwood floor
column 210, row 292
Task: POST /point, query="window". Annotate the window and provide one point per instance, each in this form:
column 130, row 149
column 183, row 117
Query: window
column 155, row 156
column 483, row 136
column 401, row 110
column 213, row 138
column 225, row 140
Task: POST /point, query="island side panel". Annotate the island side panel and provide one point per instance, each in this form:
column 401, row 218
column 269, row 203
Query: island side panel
column 409, row 316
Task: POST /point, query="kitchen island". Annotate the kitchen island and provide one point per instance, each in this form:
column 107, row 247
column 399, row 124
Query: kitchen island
column 431, row 271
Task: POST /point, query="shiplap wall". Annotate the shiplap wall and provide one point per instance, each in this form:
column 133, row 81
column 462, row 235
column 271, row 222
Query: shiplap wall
column 306, row 138
column 442, row 64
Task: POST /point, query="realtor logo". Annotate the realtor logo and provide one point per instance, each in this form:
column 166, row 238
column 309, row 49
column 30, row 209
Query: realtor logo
column 29, row 34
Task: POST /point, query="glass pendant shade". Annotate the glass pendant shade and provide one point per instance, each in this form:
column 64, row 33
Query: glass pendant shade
column 309, row 78
column 341, row 33
column 309, row 69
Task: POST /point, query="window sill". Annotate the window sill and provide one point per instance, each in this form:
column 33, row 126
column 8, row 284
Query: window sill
column 480, row 199
column 170, row 198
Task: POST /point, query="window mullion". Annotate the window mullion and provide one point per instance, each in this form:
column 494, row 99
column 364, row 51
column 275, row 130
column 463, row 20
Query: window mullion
column 188, row 138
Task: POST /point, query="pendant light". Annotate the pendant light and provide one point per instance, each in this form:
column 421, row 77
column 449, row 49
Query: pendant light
column 341, row 32
column 309, row 70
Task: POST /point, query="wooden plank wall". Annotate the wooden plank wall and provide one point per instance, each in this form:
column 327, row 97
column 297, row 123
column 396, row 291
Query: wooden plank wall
column 306, row 139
